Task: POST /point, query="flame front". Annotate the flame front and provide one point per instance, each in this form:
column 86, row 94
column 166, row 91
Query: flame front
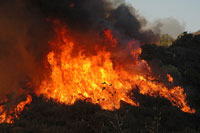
column 95, row 79
column 8, row 115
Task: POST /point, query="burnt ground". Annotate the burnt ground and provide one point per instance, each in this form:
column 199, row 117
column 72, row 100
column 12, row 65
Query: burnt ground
column 153, row 115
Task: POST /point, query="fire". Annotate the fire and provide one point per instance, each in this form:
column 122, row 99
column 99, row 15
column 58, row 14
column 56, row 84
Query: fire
column 110, row 37
column 95, row 79
column 8, row 116
column 170, row 79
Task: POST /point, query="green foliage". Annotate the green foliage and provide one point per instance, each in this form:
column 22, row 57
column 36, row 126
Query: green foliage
column 165, row 40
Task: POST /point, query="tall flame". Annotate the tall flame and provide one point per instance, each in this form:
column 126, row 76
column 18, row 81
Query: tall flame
column 96, row 80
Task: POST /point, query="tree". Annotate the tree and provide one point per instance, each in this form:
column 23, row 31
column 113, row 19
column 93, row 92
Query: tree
column 165, row 40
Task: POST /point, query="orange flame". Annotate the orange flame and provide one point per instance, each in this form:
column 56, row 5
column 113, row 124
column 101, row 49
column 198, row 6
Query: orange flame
column 94, row 79
column 170, row 79
column 8, row 116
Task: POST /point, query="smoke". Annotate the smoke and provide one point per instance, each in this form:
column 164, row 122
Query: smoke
column 86, row 15
column 169, row 26
column 25, row 33
column 22, row 45
column 86, row 19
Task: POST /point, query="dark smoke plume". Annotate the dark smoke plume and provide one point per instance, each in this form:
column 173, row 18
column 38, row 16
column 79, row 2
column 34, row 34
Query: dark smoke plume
column 86, row 15
column 25, row 32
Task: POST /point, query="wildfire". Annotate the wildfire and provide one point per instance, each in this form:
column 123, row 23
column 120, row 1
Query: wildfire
column 8, row 116
column 95, row 79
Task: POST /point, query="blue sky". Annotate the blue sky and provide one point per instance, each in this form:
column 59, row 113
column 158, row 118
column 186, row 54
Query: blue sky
column 185, row 11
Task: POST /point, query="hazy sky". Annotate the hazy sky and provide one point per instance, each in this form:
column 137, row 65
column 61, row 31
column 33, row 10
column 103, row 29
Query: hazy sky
column 185, row 11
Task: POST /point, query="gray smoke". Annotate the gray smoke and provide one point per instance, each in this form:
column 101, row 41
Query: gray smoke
column 170, row 26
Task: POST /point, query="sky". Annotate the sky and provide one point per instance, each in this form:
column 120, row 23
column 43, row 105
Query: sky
column 187, row 12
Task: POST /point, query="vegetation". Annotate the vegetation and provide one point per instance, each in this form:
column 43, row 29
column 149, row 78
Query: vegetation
column 165, row 40
column 181, row 60
column 153, row 115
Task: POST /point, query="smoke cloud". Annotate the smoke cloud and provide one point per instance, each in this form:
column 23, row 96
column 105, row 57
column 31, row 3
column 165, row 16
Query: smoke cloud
column 22, row 45
column 169, row 26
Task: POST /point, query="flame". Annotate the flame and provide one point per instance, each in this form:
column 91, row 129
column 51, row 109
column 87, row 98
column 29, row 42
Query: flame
column 8, row 116
column 110, row 37
column 95, row 79
column 170, row 79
